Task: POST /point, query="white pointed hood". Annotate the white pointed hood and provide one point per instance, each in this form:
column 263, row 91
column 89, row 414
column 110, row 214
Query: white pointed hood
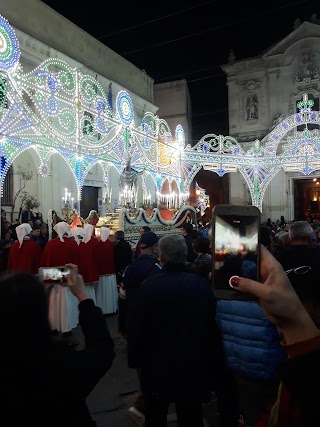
column 62, row 228
column 79, row 231
column 23, row 230
column 104, row 233
column 88, row 228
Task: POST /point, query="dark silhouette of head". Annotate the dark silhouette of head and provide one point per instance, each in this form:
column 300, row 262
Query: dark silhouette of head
column 201, row 245
column 266, row 238
column 188, row 228
column 24, row 323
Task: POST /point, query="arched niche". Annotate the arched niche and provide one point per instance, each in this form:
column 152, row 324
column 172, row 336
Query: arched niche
column 26, row 160
column 151, row 187
column 276, row 197
column 93, row 191
column 60, row 180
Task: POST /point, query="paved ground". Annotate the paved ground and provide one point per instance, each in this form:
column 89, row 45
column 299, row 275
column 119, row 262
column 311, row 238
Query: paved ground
column 113, row 395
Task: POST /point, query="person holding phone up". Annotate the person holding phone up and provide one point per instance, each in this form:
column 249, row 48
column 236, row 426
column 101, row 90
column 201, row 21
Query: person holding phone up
column 44, row 382
column 300, row 372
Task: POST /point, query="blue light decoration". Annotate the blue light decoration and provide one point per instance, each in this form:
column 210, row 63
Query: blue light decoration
column 4, row 166
column 180, row 136
column 9, row 46
column 68, row 112
column 125, row 108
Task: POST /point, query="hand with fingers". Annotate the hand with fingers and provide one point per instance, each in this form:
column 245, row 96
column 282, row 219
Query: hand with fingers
column 278, row 299
column 75, row 282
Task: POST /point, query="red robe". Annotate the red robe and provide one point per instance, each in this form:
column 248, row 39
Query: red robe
column 57, row 253
column 104, row 256
column 27, row 258
column 88, row 266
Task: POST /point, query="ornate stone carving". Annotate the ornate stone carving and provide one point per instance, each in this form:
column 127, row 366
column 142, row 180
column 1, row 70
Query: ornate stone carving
column 251, row 85
column 308, row 71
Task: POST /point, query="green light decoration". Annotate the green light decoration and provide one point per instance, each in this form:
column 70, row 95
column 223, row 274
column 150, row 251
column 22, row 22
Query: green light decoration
column 256, row 188
column 57, row 109
column 306, row 104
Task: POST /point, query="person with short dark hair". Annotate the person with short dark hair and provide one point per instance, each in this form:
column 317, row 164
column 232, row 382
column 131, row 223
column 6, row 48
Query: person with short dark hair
column 44, row 383
column 187, row 233
column 203, row 262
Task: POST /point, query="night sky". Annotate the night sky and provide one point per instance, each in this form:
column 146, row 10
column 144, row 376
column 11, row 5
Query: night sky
column 191, row 39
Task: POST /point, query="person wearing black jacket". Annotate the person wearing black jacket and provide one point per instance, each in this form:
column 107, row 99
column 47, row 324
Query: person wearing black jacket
column 186, row 232
column 43, row 382
column 146, row 265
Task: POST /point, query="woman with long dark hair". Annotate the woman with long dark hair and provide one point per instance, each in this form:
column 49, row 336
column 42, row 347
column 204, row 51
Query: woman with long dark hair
column 43, row 382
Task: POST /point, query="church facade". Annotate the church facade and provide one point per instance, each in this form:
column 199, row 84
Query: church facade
column 262, row 93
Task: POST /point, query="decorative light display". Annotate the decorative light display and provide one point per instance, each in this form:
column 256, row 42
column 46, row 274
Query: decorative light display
column 9, row 46
column 125, row 108
column 68, row 205
column 57, row 109
column 129, row 197
column 203, row 200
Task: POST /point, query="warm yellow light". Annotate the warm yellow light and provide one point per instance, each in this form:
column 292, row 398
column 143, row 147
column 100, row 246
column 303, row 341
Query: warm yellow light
column 197, row 192
column 314, row 179
column 317, row 182
column 314, row 199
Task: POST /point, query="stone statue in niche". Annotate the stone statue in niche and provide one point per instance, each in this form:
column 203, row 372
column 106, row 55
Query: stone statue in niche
column 252, row 108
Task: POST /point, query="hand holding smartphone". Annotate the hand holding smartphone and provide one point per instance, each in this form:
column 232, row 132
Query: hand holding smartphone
column 53, row 275
column 235, row 248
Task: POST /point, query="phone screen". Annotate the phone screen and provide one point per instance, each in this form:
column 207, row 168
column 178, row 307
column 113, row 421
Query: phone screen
column 236, row 248
column 53, row 274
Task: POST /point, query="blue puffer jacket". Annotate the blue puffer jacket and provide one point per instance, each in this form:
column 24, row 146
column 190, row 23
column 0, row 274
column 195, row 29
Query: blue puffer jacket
column 251, row 341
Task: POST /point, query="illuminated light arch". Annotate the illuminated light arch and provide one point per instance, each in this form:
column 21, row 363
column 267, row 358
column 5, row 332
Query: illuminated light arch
column 56, row 108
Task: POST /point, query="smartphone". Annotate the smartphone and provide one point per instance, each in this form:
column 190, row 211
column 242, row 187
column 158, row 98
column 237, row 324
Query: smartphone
column 52, row 275
column 235, row 248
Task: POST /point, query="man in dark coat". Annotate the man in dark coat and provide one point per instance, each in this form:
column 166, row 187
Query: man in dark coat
column 123, row 256
column 173, row 338
column 186, row 232
column 146, row 265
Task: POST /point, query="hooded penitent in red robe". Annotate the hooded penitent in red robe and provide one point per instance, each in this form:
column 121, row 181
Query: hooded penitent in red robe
column 57, row 253
column 104, row 256
column 88, row 266
column 106, row 290
column 25, row 258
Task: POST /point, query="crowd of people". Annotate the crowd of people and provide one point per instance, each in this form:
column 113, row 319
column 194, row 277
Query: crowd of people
column 258, row 358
